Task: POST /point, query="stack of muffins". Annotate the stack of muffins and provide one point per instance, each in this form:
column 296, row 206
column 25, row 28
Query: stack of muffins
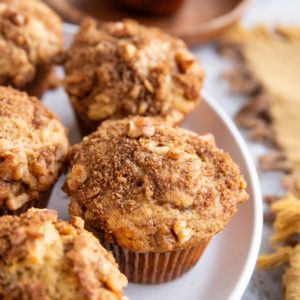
column 154, row 194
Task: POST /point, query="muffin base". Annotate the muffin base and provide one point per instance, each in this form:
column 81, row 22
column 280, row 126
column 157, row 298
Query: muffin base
column 40, row 202
column 45, row 79
column 155, row 267
column 86, row 127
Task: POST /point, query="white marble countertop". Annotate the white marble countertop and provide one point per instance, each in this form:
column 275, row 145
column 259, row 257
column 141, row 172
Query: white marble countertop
column 263, row 285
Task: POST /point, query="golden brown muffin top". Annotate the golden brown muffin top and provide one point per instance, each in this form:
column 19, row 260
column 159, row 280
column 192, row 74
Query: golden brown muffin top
column 45, row 258
column 33, row 147
column 30, row 36
column 119, row 69
column 151, row 187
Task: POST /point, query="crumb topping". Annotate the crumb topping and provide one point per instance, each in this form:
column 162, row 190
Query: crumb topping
column 33, row 147
column 30, row 36
column 118, row 69
column 46, row 258
column 158, row 189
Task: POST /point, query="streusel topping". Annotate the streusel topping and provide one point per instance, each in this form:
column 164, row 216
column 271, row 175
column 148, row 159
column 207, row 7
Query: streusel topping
column 119, row 69
column 151, row 187
column 30, row 36
column 33, row 147
column 46, row 258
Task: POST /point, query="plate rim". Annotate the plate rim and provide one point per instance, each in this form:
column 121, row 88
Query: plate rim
column 256, row 238
column 250, row 263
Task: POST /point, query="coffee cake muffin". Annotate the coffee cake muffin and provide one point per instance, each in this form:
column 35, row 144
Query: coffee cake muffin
column 154, row 194
column 48, row 259
column 31, row 41
column 118, row 69
column 33, row 147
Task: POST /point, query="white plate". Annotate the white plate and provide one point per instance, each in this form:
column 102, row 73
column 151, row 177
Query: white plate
column 225, row 269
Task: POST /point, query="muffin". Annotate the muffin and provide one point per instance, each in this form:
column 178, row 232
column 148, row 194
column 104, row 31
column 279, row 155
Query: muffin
column 33, row 148
column 153, row 7
column 155, row 195
column 118, row 69
column 45, row 258
column 31, row 41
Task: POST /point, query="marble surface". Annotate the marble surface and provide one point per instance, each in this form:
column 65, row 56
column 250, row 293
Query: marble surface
column 263, row 285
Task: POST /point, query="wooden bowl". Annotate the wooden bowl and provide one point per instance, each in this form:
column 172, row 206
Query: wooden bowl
column 196, row 21
column 151, row 7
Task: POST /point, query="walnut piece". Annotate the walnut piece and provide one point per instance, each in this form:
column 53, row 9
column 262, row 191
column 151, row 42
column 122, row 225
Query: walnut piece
column 183, row 62
column 141, row 127
column 182, row 232
column 175, row 153
column 15, row 202
column 77, row 177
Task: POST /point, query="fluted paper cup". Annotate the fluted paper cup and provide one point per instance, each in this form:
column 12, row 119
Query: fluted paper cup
column 154, row 267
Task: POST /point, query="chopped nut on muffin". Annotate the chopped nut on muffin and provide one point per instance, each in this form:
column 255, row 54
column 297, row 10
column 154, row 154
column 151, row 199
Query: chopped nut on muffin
column 33, row 148
column 147, row 187
column 118, row 69
column 31, row 40
column 44, row 258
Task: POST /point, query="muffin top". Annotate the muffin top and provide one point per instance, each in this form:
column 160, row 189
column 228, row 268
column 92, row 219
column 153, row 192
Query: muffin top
column 33, row 147
column 45, row 258
column 30, row 36
column 119, row 69
column 150, row 187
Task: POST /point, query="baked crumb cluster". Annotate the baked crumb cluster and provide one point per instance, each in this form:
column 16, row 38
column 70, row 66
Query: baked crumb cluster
column 150, row 187
column 118, row 69
column 33, row 147
column 30, row 37
column 44, row 258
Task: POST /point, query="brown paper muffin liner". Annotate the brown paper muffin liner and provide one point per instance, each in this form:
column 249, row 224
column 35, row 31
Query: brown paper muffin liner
column 86, row 127
column 154, row 267
column 40, row 202
column 45, row 79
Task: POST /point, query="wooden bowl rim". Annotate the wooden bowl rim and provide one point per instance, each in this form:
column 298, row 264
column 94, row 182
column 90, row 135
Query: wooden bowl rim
column 213, row 27
column 192, row 34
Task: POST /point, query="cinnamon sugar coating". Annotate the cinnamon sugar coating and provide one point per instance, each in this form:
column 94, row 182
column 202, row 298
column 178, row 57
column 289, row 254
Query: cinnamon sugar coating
column 30, row 39
column 45, row 258
column 33, row 147
column 147, row 186
column 118, row 69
